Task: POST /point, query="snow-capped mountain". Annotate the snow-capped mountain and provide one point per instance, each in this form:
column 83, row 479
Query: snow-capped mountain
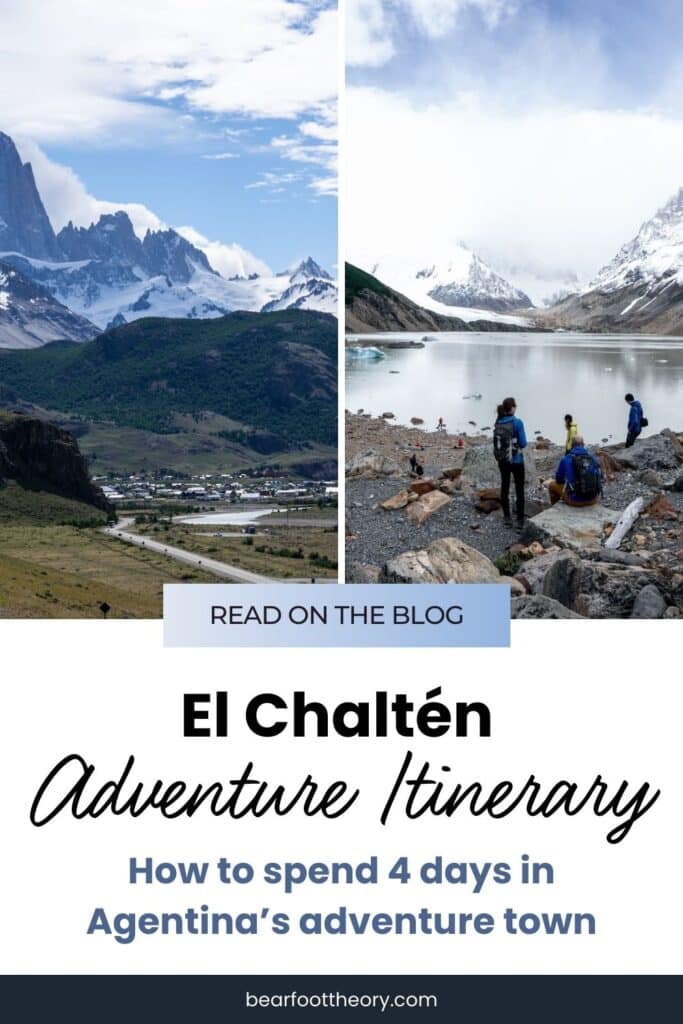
column 30, row 316
column 309, row 287
column 641, row 288
column 464, row 281
column 651, row 261
column 107, row 275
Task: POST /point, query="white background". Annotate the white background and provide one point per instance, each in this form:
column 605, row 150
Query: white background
column 569, row 700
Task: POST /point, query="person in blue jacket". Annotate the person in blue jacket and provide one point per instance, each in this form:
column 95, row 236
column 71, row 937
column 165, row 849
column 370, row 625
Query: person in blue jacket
column 508, row 454
column 578, row 480
column 635, row 419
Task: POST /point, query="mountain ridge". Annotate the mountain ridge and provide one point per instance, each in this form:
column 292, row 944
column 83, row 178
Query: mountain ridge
column 641, row 288
column 106, row 274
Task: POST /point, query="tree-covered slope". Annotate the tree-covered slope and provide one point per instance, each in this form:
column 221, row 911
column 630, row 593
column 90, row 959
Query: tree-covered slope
column 274, row 371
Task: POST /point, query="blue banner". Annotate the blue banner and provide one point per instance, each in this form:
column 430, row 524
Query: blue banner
column 347, row 615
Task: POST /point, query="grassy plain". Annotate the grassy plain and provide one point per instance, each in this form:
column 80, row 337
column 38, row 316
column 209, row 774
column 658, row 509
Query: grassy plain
column 279, row 551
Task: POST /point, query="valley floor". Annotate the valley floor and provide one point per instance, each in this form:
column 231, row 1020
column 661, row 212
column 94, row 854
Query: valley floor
column 58, row 559
column 66, row 572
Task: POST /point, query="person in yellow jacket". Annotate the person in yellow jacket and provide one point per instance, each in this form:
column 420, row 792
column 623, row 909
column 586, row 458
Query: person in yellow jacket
column 572, row 431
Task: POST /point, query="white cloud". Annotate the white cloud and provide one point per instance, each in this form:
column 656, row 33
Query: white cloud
column 436, row 18
column 371, row 25
column 74, row 71
column 219, row 156
column 228, row 260
column 368, row 41
column 547, row 189
column 66, row 198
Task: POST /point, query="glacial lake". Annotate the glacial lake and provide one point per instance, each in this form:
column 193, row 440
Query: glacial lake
column 548, row 374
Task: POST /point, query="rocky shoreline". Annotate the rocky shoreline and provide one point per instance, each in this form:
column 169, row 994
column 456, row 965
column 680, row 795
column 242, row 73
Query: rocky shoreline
column 447, row 526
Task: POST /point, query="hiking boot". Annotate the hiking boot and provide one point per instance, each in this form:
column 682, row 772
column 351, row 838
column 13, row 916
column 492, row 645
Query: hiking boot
column 519, row 525
column 507, row 521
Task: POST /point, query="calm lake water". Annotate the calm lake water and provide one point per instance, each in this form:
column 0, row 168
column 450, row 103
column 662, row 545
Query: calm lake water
column 227, row 518
column 548, row 374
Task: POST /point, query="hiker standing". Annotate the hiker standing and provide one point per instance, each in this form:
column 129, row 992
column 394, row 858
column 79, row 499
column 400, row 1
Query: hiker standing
column 572, row 429
column 578, row 480
column 441, row 425
column 509, row 438
column 636, row 419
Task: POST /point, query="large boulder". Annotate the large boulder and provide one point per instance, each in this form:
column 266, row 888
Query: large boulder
column 532, row 573
column 448, row 560
column 420, row 510
column 537, row 606
column 569, row 527
column 649, row 604
column 661, row 451
column 362, row 572
column 604, row 590
column 396, row 501
column 373, row 464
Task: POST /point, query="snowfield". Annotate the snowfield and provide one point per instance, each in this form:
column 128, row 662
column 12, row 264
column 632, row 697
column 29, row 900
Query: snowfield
column 462, row 286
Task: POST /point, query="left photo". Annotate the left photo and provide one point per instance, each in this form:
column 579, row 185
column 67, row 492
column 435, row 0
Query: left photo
column 168, row 301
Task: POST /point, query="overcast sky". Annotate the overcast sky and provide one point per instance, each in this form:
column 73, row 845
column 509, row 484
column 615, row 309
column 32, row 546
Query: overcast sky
column 218, row 116
column 539, row 132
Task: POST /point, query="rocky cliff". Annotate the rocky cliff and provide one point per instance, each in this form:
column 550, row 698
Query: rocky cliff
column 24, row 224
column 41, row 457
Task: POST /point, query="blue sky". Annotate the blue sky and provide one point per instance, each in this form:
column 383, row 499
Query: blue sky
column 216, row 117
column 541, row 133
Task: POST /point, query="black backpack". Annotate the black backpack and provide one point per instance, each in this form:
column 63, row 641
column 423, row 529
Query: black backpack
column 504, row 442
column 586, row 478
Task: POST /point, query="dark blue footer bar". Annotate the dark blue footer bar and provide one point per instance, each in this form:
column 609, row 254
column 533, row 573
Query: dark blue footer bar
column 477, row 999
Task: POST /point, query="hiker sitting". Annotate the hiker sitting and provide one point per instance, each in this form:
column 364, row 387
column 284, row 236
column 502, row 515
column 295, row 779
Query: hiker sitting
column 578, row 480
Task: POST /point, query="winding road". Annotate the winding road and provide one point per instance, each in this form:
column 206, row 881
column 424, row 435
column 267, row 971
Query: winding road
column 121, row 531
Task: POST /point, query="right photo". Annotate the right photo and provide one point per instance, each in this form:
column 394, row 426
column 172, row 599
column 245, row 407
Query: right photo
column 514, row 302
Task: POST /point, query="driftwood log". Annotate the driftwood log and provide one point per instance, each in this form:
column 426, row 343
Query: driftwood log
column 626, row 521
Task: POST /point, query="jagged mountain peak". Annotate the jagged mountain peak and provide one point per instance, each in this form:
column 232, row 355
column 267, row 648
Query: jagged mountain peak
column 307, row 269
column 461, row 280
column 105, row 272
column 24, row 225
column 167, row 252
column 111, row 237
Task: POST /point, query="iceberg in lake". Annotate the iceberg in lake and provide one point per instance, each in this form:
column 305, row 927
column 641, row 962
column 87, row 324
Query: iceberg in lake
column 364, row 352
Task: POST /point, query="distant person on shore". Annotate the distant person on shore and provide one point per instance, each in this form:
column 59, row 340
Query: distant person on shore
column 441, row 425
column 578, row 480
column 572, row 429
column 509, row 438
column 636, row 419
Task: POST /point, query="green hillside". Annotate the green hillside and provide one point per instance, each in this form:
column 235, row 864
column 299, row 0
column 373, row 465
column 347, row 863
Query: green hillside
column 276, row 372
column 357, row 280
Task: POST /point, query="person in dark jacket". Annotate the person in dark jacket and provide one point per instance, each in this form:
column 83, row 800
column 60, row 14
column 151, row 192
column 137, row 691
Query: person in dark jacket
column 565, row 486
column 513, row 466
column 635, row 419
